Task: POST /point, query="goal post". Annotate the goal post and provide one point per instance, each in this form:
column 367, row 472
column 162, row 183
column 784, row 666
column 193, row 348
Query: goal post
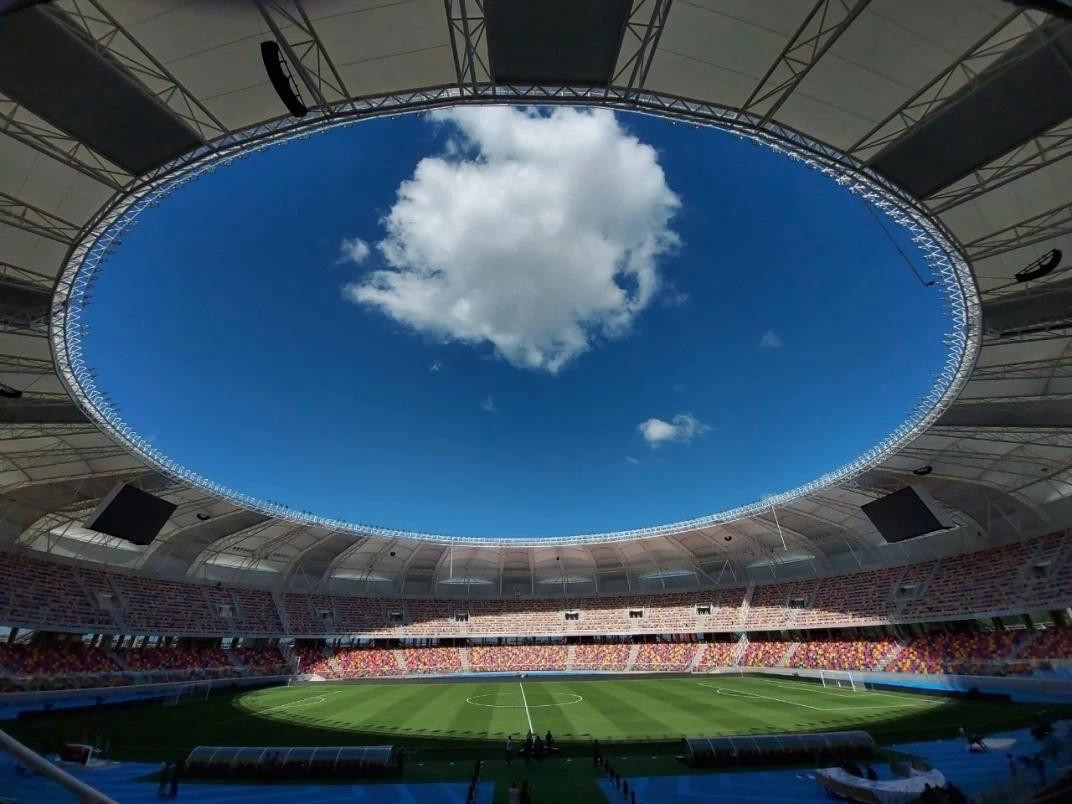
column 842, row 679
column 184, row 693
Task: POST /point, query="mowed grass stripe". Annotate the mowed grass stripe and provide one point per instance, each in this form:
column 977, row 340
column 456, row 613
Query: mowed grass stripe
column 717, row 714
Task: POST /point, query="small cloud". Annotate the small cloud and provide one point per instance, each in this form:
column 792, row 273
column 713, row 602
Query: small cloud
column 681, row 429
column 488, row 404
column 355, row 250
column 632, row 460
column 770, row 340
column 673, row 297
column 436, row 367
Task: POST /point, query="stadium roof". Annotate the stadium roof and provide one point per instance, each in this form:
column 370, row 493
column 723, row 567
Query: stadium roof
column 964, row 107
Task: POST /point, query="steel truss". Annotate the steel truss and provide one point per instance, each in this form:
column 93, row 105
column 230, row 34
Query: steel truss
column 106, row 35
column 640, row 39
column 935, row 243
column 467, row 28
column 1036, row 229
column 1023, row 436
column 1039, row 152
column 1058, row 367
column 22, row 432
column 37, row 221
column 827, row 21
column 59, row 456
column 304, row 50
column 999, row 41
column 26, row 128
column 14, row 364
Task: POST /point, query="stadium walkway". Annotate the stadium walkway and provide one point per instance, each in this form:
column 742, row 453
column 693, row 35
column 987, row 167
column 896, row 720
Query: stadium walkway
column 122, row 784
column 972, row 773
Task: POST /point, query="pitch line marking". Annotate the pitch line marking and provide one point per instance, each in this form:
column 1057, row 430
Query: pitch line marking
column 313, row 701
column 741, row 694
column 526, row 702
column 473, row 699
column 843, row 693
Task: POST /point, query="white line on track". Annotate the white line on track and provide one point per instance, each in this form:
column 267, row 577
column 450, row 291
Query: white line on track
column 525, row 701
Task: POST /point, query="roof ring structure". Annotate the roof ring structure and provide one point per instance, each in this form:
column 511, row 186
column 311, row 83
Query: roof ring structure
column 101, row 236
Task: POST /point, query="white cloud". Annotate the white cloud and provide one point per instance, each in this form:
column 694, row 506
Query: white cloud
column 354, row 250
column 536, row 233
column 436, row 367
column 770, row 340
column 488, row 404
column 631, row 459
column 681, row 429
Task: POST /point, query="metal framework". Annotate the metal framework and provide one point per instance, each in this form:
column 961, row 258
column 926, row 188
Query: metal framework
column 108, row 37
column 1039, row 152
column 827, row 20
column 37, row 221
column 20, row 125
column 999, row 41
column 304, row 50
column 1036, row 229
column 937, row 247
column 643, row 27
column 467, row 27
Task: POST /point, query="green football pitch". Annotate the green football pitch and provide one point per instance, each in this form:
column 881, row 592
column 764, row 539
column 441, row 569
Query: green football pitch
column 461, row 718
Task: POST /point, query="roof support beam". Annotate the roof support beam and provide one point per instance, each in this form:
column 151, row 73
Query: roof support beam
column 36, row 220
column 827, row 20
column 18, row 124
column 1039, row 152
column 1057, row 367
column 467, row 27
column 645, row 24
column 106, row 35
column 15, row 364
column 1039, row 228
column 1034, row 413
column 304, row 50
column 995, row 43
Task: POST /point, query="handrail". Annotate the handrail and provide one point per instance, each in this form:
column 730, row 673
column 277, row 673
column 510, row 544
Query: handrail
column 85, row 793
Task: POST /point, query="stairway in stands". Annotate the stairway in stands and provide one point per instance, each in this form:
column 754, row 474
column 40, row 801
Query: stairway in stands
column 746, row 604
column 400, row 660
column 792, row 649
column 892, row 655
column 463, row 654
column 571, row 655
column 633, row 651
column 697, row 657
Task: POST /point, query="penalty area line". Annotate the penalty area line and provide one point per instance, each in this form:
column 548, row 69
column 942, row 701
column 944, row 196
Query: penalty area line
column 525, row 701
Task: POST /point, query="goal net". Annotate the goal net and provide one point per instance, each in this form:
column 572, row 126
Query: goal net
column 842, row 679
column 189, row 692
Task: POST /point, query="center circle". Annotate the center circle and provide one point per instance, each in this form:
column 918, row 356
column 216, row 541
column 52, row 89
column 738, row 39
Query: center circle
column 475, row 701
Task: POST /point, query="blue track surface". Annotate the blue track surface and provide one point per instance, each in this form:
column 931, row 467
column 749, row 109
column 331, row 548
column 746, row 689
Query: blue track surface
column 972, row 773
column 119, row 782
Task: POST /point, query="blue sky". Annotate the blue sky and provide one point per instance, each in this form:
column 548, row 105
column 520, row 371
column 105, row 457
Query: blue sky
column 547, row 326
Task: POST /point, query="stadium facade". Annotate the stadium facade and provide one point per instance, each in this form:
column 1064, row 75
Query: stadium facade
column 913, row 105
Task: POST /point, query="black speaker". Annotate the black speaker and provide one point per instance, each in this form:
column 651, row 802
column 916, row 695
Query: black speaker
column 129, row 513
column 906, row 514
column 282, row 81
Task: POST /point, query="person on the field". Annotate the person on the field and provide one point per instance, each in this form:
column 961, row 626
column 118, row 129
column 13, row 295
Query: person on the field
column 526, row 794
column 538, row 747
column 161, row 789
column 515, row 794
column 549, row 741
column 509, row 748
